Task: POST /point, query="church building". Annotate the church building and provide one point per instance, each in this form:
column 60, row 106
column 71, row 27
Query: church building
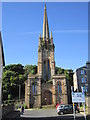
column 45, row 88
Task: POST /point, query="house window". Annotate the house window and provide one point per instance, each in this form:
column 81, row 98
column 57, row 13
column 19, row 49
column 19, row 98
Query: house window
column 34, row 87
column 82, row 80
column 59, row 88
column 83, row 89
column 86, row 89
column 81, row 72
column 85, row 80
column 84, row 72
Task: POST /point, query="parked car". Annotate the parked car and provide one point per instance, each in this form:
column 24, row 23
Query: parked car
column 66, row 109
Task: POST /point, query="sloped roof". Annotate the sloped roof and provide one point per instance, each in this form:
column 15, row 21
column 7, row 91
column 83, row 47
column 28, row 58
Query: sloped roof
column 1, row 45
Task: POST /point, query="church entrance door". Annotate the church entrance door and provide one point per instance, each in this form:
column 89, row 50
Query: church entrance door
column 47, row 98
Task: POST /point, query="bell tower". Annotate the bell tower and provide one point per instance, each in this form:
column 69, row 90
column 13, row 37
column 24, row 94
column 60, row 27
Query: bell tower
column 46, row 62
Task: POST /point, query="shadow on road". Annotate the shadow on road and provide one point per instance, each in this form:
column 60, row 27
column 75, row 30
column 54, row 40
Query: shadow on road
column 11, row 115
column 48, row 118
column 15, row 115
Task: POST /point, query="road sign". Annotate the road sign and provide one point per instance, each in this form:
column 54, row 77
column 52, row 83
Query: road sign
column 78, row 97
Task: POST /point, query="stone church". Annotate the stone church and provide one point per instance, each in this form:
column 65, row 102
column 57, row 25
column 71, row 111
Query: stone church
column 45, row 88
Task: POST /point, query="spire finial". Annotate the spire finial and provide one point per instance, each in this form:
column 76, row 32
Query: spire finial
column 45, row 25
column 40, row 35
column 45, row 6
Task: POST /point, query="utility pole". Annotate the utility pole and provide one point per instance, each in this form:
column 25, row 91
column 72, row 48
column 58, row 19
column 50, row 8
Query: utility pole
column 19, row 90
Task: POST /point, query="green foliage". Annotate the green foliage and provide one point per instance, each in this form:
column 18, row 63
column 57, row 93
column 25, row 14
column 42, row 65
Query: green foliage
column 59, row 70
column 16, row 74
column 13, row 75
column 9, row 97
column 25, row 106
column 18, row 105
column 68, row 73
column 30, row 69
column 5, row 102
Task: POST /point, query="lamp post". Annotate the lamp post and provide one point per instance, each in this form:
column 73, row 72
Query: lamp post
column 19, row 90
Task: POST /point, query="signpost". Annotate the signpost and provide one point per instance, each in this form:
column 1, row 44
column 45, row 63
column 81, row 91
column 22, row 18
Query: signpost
column 78, row 97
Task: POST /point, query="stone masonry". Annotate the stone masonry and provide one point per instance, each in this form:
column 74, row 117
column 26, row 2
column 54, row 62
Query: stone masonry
column 45, row 88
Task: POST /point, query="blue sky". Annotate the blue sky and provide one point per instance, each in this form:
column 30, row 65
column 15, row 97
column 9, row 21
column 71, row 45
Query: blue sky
column 23, row 22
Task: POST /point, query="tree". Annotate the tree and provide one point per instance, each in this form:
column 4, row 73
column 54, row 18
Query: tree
column 12, row 74
column 30, row 69
column 68, row 73
column 59, row 70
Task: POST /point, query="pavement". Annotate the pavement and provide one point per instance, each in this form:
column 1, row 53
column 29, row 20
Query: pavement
column 42, row 114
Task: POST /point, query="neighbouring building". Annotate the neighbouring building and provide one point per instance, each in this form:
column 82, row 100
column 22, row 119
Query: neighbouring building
column 80, row 79
column 2, row 63
column 45, row 88
column 88, row 79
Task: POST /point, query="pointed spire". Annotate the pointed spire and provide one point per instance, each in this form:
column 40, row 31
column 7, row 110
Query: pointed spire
column 51, row 35
column 45, row 6
column 40, row 39
column 51, row 38
column 40, row 35
column 45, row 25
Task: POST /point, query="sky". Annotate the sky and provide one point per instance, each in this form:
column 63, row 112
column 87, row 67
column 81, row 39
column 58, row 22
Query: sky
column 23, row 22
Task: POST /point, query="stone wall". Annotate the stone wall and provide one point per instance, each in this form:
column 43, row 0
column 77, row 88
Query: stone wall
column 33, row 99
column 47, row 93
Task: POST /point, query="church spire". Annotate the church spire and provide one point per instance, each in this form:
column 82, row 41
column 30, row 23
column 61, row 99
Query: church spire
column 45, row 25
column 40, row 39
column 51, row 38
column 51, row 35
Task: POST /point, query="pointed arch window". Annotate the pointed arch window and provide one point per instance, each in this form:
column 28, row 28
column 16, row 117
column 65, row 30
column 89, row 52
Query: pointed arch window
column 48, row 70
column 44, row 70
column 59, row 87
column 34, row 88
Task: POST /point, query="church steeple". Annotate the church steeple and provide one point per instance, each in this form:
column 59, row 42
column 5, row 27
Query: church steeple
column 45, row 26
column 46, row 62
column 51, row 38
column 40, row 40
column 51, row 35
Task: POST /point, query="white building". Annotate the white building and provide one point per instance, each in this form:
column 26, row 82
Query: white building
column 80, row 79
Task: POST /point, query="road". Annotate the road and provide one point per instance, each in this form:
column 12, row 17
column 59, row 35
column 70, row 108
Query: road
column 42, row 114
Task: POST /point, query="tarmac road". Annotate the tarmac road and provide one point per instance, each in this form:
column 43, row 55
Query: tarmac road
column 39, row 113
column 42, row 114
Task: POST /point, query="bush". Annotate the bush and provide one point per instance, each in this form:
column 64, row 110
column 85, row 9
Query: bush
column 25, row 106
column 17, row 106
column 9, row 97
column 9, row 101
column 5, row 102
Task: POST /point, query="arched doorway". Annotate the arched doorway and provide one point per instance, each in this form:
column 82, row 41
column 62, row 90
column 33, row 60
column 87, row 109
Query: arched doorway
column 47, row 97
